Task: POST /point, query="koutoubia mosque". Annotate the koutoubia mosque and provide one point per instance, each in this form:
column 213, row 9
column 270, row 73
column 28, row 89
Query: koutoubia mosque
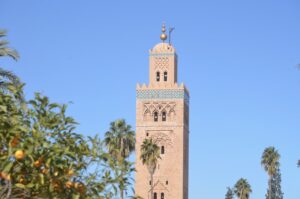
column 162, row 114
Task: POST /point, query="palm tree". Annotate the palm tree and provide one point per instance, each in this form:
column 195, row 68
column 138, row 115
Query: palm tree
column 270, row 162
column 7, row 78
column 120, row 142
column 150, row 154
column 242, row 189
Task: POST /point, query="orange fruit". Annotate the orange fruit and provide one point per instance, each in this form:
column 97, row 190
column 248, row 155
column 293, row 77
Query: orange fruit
column 56, row 173
column 37, row 163
column 19, row 154
column 5, row 176
column 14, row 142
column 76, row 185
column 56, row 185
column 45, row 171
column 70, row 172
column 22, row 180
column 69, row 184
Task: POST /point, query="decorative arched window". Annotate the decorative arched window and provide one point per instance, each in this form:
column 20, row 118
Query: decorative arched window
column 155, row 195
column 172, row 115
column 147, row 115
column 157, row 76
column 165, row 76
column 162, row 195
column 155, row 116
column 164, row 116
column 162, row 150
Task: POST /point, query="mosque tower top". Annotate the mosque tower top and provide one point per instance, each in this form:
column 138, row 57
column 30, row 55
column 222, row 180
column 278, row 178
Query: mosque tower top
column 163, row 63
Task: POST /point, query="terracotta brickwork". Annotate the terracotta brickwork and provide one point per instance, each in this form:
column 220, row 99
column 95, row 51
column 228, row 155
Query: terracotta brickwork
column 162, row 113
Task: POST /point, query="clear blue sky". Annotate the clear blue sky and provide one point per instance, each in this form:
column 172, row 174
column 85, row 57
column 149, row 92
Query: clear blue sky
column 238, row 58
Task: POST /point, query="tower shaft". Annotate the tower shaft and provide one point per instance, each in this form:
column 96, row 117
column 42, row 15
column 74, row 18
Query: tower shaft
column 162, row 114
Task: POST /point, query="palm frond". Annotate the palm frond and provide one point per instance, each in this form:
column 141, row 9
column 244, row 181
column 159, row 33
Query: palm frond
column 10, row 83
column 2, row 33
column 270, row 160
column 3, row 43
column 8, row 75
column 5, row 51
column 242, row 189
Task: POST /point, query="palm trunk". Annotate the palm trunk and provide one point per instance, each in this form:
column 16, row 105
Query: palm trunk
column 151, row 192
column 121, row 194
column 270, row 187
column 121, row 189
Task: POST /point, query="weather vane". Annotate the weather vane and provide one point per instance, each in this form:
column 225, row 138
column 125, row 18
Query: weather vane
column 170, row 31
column 163, row 35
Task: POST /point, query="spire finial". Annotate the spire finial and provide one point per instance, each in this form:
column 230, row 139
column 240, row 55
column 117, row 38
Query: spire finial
column 163, row 35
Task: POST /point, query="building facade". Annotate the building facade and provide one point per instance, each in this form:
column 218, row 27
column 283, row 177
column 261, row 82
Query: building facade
column 162, row 114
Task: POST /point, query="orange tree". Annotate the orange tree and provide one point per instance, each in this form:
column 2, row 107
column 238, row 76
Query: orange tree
column 42, row 157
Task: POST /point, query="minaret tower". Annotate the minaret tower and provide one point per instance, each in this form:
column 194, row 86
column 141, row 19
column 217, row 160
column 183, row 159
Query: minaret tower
column 162, row 113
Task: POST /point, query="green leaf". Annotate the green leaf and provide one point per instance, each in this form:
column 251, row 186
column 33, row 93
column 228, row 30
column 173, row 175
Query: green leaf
column 75, row 196
column 7, row 167
column 3, row 108
column 42, row 180
column 19, row 185
column 30, row 185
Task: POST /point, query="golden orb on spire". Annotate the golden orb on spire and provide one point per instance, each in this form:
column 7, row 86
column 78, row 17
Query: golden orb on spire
column 163, row 35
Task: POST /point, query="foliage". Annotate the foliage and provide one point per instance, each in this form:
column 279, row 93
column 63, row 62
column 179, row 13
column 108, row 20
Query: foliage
column 229, row 193
column 8, row 80
column 242, row 189
column 270, row 162
column 150, row 154
column 120, row 142
column 6, row 51
column 276, row 192
column 120, row 139
column 42, row 156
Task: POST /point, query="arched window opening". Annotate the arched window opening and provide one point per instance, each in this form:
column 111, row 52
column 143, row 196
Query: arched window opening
column 167, row 182
column 155, row 116
column 162, row 196
column 147, row 115
column 172, row 115
column 165, row 76
column 150, row 182
column 162, row 150
column 155, row 195
column 157, row 76
column 164, row 116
